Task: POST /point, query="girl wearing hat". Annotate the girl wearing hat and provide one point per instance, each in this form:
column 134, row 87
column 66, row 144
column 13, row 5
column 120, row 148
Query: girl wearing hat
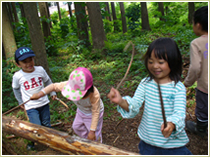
column 79, row 89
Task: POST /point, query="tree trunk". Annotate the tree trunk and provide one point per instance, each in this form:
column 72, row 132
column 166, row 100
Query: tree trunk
column 59, row 11
column 144, row 16
column 96, row 25
column 36, row 35
column 70, row 11
column 14, row 12
column 45, row 24
column 116, row 28
column 58, row 140
column 108, row 10
column 161, row 9
column 82, row 25
column 10, row 14
column 22, row 11
column 8, row 37
column 48, row 13
column 124, row 26
column 191, row 9
column 3, row 51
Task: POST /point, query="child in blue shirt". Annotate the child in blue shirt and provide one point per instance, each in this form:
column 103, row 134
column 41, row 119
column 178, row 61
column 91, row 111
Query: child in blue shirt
column 164, row 63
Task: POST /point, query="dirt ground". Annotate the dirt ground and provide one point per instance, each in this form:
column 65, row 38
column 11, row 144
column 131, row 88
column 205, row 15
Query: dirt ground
column 117, row 133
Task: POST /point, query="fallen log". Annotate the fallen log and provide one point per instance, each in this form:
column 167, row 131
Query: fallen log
column 58, row 140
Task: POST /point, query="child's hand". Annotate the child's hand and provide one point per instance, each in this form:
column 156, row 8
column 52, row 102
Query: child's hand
column 54, row 97
column 115, row 96
column 168, row 130
column 37, row 95
column 91, row 135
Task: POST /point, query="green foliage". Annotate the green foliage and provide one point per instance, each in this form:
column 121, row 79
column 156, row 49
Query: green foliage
column 108, row 66
column 133, row 12
column 21, row 34
column 8, row 99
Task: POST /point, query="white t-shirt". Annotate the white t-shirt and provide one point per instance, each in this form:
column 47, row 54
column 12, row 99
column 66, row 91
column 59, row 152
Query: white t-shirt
column 29, row 84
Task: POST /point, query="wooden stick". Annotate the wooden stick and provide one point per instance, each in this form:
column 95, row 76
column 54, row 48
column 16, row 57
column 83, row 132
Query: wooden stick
column 26, row 113
column 15, row 107
column 162, row 106
column 126, row 47
column 62, row 102
column 60, row 141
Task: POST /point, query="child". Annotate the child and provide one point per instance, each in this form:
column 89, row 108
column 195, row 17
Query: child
column 79, row 89
column 164, row 64
column 198, row 71
column 27, row 81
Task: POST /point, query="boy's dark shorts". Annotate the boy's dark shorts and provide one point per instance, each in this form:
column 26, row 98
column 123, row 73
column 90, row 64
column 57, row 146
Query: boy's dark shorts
column 201, row 110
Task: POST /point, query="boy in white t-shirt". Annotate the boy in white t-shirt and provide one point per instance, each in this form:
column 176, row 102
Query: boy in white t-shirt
column 27, row 81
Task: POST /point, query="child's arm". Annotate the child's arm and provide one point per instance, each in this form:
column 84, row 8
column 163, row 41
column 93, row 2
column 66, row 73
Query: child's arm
column 95, row 102
column 47, row 83
column 18, row 96
column 57, row 87
column 115, row 97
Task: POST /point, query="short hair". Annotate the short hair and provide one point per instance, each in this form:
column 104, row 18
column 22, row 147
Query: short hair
column 201, row 16
column 167, row 49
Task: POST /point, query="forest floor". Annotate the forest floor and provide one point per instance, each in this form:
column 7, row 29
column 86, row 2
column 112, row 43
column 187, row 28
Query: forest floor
column 117, row 133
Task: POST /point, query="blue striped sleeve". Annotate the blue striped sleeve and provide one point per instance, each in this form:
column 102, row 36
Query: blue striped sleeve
column 134, row 103
column 179, row 113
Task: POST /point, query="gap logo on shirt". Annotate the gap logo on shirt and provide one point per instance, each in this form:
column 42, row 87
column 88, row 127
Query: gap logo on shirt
column 32, row 83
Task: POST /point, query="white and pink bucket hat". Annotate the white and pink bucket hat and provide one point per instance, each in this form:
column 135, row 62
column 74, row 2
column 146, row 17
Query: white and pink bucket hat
column 80, row 80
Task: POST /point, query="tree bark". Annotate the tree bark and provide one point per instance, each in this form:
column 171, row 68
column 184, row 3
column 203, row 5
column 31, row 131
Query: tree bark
column 70, row 11
column 58, row 140
column 14, row 12
column 59, row 11
column 10, row 14
column 144, row 16
column 96, row 25
column 124, row 26
column 82, row 25
column 191, row 9
column 108, row 10
column 161, row 9
column 22, row 10
column 44, row 14
column 8, row 37
column 36, row 35
column 116, row 28
column 48, row 13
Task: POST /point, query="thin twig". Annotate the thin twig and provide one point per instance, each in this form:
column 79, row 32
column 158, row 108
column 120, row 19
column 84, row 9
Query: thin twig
column 133, row 51
column 162, row 106
column 116, row 139
column 62, row 102
column 119, row 122
column 15, row 107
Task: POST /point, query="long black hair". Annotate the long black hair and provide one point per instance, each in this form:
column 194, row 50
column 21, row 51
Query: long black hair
column 167, row 49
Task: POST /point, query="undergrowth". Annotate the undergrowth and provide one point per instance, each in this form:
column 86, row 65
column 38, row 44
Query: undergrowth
column 107, row 66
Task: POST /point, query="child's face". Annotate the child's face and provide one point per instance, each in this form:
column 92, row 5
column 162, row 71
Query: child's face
column 27, row 64
column 159, row 68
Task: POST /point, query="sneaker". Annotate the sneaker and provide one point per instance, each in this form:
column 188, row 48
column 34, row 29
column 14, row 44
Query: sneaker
column 30, row 147
column 192, row 127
